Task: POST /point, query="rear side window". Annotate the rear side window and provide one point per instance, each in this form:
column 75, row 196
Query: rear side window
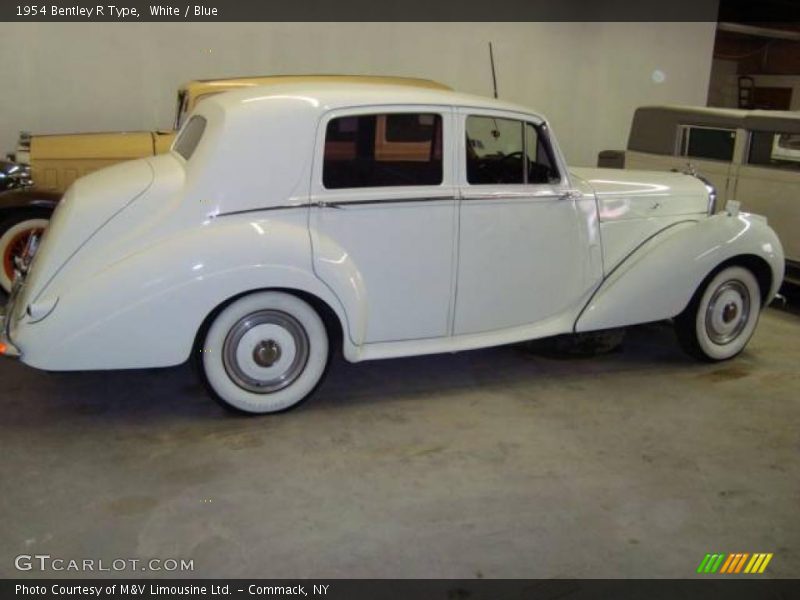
column 707, row 142
column 383, row 150
column 776, row 150
column 189, row 137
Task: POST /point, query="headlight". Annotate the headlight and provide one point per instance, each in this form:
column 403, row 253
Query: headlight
column 710, row 188
column 712, row 193
column 14, row 175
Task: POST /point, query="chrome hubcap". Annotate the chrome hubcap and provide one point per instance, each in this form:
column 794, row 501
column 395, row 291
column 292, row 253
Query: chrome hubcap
column 265, row 351
column 728, row 312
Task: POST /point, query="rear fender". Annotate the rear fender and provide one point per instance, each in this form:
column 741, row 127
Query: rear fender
column 145, row 309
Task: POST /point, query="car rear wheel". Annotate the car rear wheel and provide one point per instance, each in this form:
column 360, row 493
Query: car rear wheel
column 14, row 235
column 722, row 316
column 264, row 353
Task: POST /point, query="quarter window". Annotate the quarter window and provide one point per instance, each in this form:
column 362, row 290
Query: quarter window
column 507, row 151
column 773, row 149
column 189, row 137
column 707, row 142
column 541, row 167
column 383, row 150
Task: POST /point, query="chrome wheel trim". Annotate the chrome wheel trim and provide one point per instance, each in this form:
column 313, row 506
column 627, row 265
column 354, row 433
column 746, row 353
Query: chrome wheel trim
column 728, row 312
column 265, row 351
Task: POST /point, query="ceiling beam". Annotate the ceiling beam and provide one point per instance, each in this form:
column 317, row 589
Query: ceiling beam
column 761, row 32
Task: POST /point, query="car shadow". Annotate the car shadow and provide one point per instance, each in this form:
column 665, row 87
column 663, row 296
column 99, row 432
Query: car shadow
column 141, row 396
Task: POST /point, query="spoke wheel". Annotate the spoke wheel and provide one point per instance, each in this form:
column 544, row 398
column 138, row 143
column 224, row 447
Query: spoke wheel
column 14, row 238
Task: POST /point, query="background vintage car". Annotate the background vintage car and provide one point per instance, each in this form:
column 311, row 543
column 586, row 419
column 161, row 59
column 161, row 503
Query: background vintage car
column 752, row 156
column 44, row 166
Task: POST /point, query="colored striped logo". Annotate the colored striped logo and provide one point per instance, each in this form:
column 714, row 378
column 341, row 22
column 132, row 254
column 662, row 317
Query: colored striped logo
column 740, row 562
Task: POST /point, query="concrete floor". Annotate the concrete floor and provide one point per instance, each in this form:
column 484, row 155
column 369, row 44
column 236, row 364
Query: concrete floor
column 494, row 463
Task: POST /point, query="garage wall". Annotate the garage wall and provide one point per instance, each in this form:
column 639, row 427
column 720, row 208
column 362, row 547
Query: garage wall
column 724, row 85
column 586, row 77
column 788, row 81
column 723, row 88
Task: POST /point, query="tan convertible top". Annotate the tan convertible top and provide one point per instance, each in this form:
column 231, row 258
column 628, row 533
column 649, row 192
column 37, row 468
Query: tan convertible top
column 654, row 127
column 201, row 87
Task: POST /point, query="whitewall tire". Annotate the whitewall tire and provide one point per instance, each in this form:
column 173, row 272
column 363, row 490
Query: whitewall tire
column 14, row 235
column 722, row 316
column 265, row 352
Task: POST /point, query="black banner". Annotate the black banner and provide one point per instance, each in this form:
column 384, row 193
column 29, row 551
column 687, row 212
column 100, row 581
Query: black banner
column 411, row 589
column 359, row 10
column 763, row 11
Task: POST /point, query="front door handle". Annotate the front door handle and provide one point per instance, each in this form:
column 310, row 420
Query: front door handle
column 571, row 195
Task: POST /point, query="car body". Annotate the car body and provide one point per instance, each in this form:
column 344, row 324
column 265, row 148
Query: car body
column 396, row 219
column 752, row 156
column 44, row 166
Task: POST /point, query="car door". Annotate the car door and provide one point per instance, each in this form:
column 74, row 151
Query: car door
column 383, row 219
column 527, row 241
column 768, row 183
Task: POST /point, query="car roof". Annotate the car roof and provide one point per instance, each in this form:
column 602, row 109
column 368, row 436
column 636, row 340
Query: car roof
column 328, row 95
column 731, row 113
column 654, row 128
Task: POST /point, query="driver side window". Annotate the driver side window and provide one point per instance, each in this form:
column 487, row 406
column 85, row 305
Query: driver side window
column 507, row 151
column 494, row 150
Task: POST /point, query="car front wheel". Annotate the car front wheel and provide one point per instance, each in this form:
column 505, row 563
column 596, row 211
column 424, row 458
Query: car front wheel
column 265, row 352
column 722, row 316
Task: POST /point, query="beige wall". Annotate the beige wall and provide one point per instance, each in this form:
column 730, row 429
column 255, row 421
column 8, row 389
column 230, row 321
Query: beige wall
column 586, row 77
column 723, row 88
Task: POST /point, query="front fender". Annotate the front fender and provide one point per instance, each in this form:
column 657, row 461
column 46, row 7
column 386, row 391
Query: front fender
column 145, row 309
column 27, row 198
column 659, row 279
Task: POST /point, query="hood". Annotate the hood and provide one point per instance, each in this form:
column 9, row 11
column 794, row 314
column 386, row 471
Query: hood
column 630, row 194
column 89, row 204
column 113, row 146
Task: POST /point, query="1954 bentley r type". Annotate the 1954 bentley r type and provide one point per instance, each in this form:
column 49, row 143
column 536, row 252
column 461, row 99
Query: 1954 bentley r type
column 393, row 220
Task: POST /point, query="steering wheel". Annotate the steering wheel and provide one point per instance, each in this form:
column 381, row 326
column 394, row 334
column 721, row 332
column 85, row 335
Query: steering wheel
column 517, row 154
column 503, row 171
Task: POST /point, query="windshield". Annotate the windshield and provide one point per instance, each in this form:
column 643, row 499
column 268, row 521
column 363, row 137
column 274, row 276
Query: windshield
column 189, row 137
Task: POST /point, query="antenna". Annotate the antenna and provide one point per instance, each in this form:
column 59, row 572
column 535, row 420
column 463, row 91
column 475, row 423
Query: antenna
column 494, row 75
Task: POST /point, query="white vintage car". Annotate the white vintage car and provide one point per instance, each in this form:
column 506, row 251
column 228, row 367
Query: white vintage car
column 392, row 220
